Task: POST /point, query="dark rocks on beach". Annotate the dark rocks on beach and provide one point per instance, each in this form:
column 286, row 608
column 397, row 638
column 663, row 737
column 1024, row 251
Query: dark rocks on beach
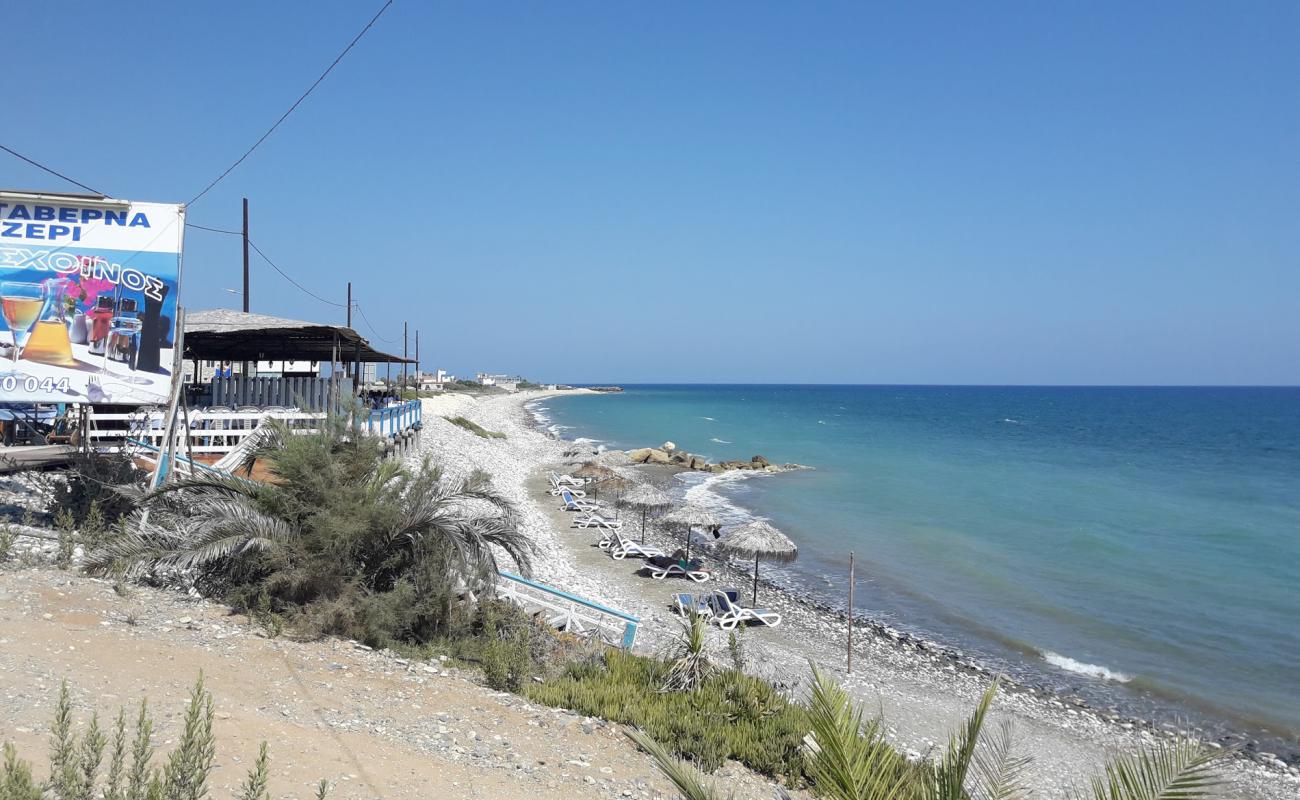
column 760, row 461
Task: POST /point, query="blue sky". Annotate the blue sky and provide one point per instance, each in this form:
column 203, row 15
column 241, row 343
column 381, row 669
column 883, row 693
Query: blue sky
column 723, row 192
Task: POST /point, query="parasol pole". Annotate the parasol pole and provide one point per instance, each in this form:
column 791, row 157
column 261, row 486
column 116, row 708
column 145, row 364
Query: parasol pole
column 850, row 648
column 755, row 601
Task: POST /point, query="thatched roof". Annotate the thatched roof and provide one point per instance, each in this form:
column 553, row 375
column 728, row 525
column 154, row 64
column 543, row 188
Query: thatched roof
column 593, row 470
column 617, row 483
column 758, row 538
column 220, row 334
column 645, row 498
column 691, row 516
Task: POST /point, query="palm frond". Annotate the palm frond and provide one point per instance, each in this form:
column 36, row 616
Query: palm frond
column 849, row 759
column 950, row 773
column 997, row 768
column 1178, row 770
column 685, row 777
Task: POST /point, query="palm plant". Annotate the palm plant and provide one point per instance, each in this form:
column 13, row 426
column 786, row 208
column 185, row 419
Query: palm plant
column 336, row 520
column 692, row 666
column 848, row 758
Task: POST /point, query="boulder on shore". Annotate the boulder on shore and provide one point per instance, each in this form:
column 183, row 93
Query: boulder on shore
column 668, row 447
column 698, row 462
column 760, row 461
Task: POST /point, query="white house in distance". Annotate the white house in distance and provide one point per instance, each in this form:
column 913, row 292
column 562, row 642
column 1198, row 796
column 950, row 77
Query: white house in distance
column 436, row 382
column 500, row 381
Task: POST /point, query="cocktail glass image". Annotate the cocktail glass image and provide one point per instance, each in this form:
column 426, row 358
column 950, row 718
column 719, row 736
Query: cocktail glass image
column 123, row 344
column 49, row 342
column 22, row 305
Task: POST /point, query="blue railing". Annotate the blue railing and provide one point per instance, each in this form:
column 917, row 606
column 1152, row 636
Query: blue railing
column 395, row 419
column 571, row 612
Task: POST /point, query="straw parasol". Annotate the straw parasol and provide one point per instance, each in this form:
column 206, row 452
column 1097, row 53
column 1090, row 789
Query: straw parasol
column 691, row 516
column 596, row 473
column 645, row 498
column 759, row 539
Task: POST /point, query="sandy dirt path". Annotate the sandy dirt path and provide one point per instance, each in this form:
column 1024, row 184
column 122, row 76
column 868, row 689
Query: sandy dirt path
column 374, row 725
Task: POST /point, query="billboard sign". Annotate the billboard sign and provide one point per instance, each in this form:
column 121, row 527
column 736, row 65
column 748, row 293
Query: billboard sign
column 88, row 289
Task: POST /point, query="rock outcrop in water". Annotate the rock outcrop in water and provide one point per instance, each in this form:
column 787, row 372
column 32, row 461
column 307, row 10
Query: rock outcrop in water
column 672, row 456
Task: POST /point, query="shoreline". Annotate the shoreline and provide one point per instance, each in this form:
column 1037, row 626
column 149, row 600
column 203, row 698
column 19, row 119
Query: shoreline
column 923, row 687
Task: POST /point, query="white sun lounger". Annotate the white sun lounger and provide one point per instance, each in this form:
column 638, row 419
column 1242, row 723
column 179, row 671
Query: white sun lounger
column 566, row 480
column 572, row 503
column 687, row 604
column 594, row 520
column 659, row 573
column 621, row 548
column 728, row 613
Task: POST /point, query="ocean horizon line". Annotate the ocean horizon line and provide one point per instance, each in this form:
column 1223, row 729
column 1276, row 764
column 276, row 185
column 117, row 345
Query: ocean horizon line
column 585, row 384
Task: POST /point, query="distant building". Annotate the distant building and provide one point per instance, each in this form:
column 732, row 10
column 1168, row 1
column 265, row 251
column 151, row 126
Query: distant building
column 436, row 382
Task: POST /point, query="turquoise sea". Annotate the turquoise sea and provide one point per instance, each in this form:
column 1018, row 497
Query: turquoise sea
column 1140, row 546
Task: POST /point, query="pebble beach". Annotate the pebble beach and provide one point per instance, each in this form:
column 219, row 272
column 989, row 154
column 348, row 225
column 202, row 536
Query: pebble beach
column 922, row 689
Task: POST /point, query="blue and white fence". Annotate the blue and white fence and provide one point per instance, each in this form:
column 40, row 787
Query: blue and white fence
column 392, row 420
column 570, row 612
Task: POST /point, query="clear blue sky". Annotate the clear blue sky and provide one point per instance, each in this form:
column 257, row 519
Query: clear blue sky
column 728, row 192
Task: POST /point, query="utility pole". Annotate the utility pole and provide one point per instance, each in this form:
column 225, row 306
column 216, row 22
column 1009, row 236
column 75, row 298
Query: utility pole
column 245, row 255
column 417, row 360
column 244, row 368
column 350, row 370
column 403, row 356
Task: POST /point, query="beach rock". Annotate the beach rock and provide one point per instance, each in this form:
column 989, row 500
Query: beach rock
column 639, row 455
column 668, row 447
column 656, row 456
column 681, row 458
column 715, row 468
column 760, row 461
column 698, row 462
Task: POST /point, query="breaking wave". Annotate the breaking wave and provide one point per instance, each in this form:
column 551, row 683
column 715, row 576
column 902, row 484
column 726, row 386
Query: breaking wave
column 1080, row 668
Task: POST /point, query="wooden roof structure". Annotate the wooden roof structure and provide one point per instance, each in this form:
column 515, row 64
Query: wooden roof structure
column 224, row 335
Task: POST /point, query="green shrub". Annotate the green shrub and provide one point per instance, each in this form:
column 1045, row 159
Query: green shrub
column 344, row 542
column 89, row 483
column 729, row 715
column 475, row 428
column 76, row 761
column 8, row 538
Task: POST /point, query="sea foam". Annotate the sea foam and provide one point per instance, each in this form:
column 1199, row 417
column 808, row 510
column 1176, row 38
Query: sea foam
column 1091, row 670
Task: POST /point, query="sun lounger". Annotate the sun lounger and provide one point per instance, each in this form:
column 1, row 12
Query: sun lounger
column 558, row 489
column 728, row 612
column 687, row 604
column 566, row 480
column 593, row 520
column 621, row 548
column 572, row 503
column 662, row 567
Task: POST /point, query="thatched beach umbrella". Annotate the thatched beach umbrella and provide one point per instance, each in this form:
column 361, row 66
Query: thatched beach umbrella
column 691, row 516
column 645, row 498
column 617, row 485
column 759, row 539
column 595, row 473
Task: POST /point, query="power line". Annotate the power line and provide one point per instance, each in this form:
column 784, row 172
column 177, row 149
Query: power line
column 214, row 230
column 55, row 173
column 285, row 275
column 286, row 114
column 357, row 306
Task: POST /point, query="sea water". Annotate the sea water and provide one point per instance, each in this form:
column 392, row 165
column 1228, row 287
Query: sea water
column 1137, row 544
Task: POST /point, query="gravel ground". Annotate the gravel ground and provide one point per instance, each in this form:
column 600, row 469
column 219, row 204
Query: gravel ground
column 924, row 692
column 372, row 724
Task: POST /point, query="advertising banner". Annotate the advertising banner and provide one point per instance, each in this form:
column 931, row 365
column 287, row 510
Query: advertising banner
column 88, row 289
